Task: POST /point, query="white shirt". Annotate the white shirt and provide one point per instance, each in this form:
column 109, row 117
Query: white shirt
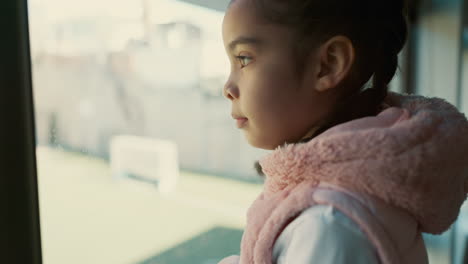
column 323, row 235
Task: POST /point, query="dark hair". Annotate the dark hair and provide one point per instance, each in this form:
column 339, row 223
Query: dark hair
column 377, row 30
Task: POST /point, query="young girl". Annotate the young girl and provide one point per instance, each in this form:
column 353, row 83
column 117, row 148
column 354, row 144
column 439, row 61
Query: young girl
column 357, row 173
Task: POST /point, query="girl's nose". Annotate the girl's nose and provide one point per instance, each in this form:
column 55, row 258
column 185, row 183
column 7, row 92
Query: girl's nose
column 230, row 91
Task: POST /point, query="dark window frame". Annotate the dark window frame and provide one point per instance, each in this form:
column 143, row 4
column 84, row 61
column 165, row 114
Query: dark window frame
column 20, row 227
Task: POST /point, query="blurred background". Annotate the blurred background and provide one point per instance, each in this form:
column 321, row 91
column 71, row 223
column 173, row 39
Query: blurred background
column 124, row 86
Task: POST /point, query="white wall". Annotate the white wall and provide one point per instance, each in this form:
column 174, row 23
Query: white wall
column 438, row 54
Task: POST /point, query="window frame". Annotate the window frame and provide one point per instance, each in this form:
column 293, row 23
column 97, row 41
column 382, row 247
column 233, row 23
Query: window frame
column 18, row 188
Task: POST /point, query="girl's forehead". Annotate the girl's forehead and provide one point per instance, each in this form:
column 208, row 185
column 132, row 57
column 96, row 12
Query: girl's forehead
column 243, row 22
column 242, row 19
column 239, row 20
column 243, row 12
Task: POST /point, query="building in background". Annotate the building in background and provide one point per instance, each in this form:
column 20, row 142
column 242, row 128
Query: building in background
column 94, row 81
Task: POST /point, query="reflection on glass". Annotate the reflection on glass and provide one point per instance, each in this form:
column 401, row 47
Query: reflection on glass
column 139, row 161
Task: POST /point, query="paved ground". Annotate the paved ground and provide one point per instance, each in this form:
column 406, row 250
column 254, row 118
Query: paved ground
column 88, row 217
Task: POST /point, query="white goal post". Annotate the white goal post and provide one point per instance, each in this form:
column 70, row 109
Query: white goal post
column 148, row 159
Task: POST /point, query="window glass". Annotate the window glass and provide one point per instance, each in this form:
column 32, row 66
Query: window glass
column 139, row 160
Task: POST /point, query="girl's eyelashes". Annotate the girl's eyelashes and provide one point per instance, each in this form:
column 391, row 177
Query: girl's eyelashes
column 244, row 60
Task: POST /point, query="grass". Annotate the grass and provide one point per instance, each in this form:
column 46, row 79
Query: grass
column 89, row 217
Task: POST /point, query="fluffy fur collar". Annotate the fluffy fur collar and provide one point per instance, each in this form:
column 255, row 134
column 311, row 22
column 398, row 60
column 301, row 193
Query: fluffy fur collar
column 413, row 155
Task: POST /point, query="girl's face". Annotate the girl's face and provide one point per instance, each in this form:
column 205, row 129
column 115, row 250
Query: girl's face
column 272, row 103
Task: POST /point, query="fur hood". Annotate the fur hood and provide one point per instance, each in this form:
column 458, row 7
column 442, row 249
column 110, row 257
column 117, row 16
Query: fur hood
column 413, row 155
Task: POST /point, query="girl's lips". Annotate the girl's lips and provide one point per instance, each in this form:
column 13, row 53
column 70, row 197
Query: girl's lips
column 241, row 122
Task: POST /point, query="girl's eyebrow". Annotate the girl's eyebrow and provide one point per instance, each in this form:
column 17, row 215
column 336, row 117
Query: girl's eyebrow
column 244, row 40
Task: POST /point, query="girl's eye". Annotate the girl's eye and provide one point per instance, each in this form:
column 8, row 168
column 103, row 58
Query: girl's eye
column 244, row 60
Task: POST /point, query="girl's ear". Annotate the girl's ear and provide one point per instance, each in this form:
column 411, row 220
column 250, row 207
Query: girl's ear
column 335, row 59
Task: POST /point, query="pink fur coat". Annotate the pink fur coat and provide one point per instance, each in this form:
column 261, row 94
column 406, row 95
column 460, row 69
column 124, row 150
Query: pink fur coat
column 412, row 156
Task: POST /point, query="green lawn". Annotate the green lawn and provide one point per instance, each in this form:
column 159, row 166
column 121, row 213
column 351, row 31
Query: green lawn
column 89, row 217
